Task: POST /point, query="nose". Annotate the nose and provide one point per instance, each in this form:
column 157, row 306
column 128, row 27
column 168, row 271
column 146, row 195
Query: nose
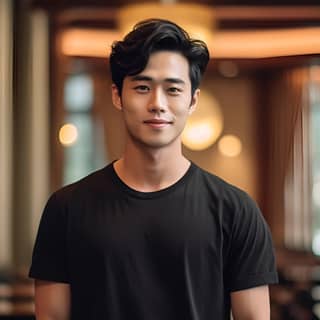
column 157, row 102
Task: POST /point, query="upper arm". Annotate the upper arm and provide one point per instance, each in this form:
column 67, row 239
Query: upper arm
column 49, row 259
column 251, row 304
column 52, row 300
column 250, row 259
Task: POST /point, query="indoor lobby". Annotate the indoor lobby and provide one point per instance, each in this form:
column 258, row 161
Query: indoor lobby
column 257, row 123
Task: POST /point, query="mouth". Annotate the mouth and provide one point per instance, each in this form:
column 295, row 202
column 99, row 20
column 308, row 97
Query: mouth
column 157, row 123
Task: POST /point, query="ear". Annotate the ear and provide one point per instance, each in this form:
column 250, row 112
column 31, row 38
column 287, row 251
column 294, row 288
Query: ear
column 116, row 98
column 194, row 101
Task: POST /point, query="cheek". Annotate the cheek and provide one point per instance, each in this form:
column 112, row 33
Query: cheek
column 183, row 105
column 130, row 106
column 183, row 111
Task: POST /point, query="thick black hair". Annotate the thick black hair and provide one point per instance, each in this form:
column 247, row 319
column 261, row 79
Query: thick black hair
column 130, row 56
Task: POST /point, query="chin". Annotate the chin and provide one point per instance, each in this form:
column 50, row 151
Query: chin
column 164, row 143
column 154, row 143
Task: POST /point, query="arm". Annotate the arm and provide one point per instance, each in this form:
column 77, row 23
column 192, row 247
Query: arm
column 52, row 300
column 251, row 304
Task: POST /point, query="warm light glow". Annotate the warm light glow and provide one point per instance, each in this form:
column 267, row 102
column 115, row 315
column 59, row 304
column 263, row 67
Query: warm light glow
column 196, row 19
column 230, row 146
column 199, row 135
column 228, row 69
column 266, row 43
column 315, row 73
column 226, row 44
column 205, row 124
column 87, row 42
column 68, row 134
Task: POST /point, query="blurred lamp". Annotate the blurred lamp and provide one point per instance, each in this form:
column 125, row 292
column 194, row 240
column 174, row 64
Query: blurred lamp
column 198, row 20
column 205, row 124
column 230, row 145
column 68, row 134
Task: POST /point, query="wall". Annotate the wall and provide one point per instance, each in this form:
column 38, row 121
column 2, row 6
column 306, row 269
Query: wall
column 238, row 103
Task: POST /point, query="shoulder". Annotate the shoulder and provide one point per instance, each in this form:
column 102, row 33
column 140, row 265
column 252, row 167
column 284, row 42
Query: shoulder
column 92, row 184
column 236, row 209
column 231, row 196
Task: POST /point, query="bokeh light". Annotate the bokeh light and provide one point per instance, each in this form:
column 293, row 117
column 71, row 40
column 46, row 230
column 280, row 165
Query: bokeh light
column 230, row 145
column 205, row 124
column 68, row 134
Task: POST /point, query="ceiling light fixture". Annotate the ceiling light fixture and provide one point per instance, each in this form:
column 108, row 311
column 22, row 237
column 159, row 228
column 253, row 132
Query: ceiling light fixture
column 198, row 20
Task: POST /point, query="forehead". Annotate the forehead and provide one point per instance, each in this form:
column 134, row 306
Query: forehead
column 167, row 64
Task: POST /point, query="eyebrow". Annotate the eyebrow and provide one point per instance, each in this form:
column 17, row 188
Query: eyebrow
column 147, row 78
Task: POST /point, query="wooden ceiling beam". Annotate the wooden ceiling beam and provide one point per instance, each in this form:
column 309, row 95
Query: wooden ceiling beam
column 227, row 16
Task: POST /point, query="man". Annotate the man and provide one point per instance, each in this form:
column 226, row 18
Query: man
column 152, row 236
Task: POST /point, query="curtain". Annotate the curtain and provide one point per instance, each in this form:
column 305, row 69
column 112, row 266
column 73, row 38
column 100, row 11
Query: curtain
column 289, row 180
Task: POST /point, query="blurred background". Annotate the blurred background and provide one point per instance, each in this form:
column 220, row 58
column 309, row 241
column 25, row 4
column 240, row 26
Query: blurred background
column 257, row 125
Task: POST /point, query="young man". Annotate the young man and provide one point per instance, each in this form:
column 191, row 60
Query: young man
column 152, row 236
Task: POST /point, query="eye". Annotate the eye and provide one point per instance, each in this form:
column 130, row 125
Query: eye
column 174, row 91
column 142, row 89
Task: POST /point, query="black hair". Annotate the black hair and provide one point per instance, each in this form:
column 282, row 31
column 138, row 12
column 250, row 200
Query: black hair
column 130, row 56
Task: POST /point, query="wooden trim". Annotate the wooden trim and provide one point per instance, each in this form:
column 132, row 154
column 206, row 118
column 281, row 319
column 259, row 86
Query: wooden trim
column 225, row 15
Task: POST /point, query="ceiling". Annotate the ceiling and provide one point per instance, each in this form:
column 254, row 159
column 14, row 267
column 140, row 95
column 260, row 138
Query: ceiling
column 231, row 16
column 53, row 4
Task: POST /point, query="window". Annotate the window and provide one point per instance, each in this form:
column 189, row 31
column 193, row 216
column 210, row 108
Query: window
column 315, row 154
column 82, row 138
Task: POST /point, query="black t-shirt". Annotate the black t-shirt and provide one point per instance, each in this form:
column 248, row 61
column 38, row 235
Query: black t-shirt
column 171, row 254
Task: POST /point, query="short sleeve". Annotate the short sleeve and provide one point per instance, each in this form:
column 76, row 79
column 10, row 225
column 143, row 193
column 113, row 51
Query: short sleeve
column 251, row 259
column 49, row 259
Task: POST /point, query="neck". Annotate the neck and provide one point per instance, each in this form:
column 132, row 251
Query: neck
column 151, row 169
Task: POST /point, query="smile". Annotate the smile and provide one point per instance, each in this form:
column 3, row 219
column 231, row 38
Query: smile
column 157, row 123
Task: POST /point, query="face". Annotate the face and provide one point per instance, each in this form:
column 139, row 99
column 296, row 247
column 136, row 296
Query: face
column 157, row 102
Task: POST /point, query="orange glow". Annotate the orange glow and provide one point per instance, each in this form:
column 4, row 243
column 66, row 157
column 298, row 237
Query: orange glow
column 230, row 145
column 88, row 42
column 204, row 125
column 315, row 73
column 225, row 44
column 68, row 134
column 197, row 19
column 266, row 43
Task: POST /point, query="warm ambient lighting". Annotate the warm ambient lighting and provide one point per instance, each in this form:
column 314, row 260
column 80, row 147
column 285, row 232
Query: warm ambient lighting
column 230, row 146
column 88, row 42
column 205, row 124
column 268, row 43
column 226, row 44
column 68, row 134
column 315, row 74
column 198, row 20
